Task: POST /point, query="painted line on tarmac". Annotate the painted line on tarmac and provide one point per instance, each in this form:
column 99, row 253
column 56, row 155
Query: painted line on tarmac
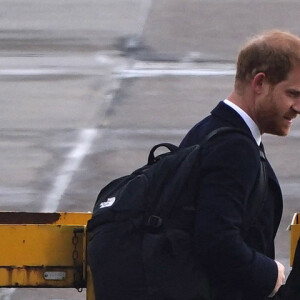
column 49, row 72
column 68, row 169
column 174, row 72
column 130, row 73
column 76, row 156
column 34, row 72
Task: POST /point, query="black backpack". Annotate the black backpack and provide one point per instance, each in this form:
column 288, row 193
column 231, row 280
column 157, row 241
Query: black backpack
column 144, row 222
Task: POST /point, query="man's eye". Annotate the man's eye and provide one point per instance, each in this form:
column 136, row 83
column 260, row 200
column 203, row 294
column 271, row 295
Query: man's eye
column 294, row 94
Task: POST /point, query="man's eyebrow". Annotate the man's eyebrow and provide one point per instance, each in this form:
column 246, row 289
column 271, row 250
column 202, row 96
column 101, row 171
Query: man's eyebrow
column 293, row 91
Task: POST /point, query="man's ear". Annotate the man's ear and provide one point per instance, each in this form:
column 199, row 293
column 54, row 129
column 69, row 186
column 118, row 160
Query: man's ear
column 258, row 82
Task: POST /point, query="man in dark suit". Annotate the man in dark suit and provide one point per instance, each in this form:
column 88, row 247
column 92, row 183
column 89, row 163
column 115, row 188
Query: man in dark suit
column 238, row 251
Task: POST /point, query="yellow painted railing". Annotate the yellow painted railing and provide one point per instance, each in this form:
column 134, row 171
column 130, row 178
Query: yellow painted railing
column 44, row 250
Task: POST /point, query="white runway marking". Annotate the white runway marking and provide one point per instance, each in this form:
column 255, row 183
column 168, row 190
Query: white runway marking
column 127, row 73
column 174, row 72
column 66, row 172
column 36, row 72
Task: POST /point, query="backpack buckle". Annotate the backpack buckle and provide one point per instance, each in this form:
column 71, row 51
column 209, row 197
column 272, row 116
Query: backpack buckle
column 154, row 221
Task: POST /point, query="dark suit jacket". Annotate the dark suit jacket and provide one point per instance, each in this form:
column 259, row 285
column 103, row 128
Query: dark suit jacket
column 238, row 253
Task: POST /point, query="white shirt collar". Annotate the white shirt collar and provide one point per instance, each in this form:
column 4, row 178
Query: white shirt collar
column 250, row 123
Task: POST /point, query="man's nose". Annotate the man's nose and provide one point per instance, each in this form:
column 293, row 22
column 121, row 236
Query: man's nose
column 296, row 107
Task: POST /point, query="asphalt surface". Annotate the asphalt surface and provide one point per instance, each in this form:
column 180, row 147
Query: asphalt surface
column 89, row 86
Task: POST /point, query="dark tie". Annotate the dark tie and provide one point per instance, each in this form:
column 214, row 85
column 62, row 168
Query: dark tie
column 262, row 151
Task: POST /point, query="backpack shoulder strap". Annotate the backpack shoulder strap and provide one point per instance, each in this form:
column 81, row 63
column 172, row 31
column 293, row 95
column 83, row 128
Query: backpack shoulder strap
column 222, row 130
